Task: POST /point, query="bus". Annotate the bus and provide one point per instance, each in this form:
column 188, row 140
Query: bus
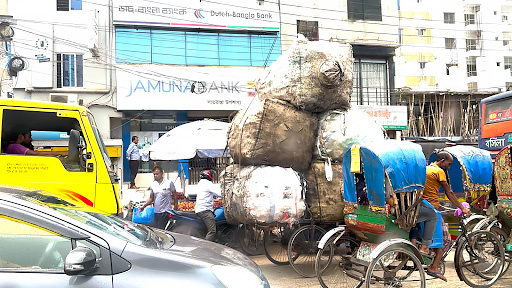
column 495, row 130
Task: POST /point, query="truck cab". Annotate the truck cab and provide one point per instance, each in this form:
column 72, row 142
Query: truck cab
column 85, row 174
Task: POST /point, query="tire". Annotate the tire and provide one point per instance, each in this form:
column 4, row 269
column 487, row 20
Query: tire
column 387, row 269
column 275, row 243
column 502, row 235
column 479, row 262
column 339, row 271
column 251, row 240
column 303, row 248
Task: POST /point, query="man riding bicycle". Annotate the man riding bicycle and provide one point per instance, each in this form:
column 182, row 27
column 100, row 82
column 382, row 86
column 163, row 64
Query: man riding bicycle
column 436, row 178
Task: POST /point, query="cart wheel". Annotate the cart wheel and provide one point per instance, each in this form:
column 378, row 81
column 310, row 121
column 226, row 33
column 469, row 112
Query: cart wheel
column 479, row 259
column 395, row 267
column 339, row 271
column 251, row 240
column 303, row 248
column 275, row 242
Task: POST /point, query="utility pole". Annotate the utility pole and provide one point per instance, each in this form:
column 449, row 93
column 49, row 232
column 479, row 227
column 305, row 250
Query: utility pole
column 6, row 35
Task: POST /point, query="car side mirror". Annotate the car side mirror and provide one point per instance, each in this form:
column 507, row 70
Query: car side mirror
column 80, row 261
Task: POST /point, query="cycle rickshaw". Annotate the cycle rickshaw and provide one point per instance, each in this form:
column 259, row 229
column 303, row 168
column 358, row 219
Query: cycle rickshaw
column 383, row 190
column 470, row 177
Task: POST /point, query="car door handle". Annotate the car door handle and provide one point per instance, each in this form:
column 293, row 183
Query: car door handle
column 90, row 167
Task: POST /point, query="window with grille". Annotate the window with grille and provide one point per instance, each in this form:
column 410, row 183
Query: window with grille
column 471, row 44
column 70, row 70
column 66, row 5
column 469, row 19
column 421, row 31
column 364, row 10
column 308, row 28
column 370, row 82
column 422, row 65
column 472, row 87
column 507, row 63
column 471, row 66
column 449, row 43
column 449, row 18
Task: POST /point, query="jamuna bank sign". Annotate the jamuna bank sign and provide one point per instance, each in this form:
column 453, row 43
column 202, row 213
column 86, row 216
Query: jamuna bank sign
column 205, row 88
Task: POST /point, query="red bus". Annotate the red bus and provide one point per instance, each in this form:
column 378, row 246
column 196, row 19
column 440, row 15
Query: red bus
column 495, row 122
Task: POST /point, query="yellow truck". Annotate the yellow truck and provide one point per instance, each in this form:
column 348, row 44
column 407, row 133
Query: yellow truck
column 85, row 174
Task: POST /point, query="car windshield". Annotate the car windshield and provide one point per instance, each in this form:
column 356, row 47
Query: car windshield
column 118, row 227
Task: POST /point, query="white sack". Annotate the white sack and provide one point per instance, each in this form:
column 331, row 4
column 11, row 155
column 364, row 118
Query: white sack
column 262, row 194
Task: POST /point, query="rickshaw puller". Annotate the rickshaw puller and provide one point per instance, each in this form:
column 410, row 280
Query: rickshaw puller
column 436, row 178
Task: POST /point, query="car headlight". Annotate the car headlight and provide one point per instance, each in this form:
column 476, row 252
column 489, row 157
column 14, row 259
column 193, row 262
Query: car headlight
column 232, row 276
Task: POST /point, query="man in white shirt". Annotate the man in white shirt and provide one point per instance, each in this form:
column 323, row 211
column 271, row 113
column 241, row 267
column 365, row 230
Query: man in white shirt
column 161, row 192
column 133, row 157
column 204, row 203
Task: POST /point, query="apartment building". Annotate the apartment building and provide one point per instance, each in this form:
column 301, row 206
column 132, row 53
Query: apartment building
column 457, row 46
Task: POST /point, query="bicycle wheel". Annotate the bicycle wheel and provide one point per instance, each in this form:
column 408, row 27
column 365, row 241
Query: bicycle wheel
column 479, row 259
column 303, row 248
column 503, row 236
column 251, row 241
column 339, row 270
column 275, row 243
column 395, row 267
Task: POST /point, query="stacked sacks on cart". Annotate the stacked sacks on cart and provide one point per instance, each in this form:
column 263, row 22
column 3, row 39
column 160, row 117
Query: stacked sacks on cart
column 261, row 194
column 280, row 128
column 339, row 130
column 313, row 76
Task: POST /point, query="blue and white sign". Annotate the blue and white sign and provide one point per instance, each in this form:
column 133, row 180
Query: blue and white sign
column 154, row 87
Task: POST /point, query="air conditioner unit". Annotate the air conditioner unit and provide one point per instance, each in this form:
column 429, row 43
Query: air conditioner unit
column 64, row 98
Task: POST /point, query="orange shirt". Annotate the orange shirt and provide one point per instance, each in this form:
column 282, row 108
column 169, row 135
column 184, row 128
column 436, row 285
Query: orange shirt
column 435, row 176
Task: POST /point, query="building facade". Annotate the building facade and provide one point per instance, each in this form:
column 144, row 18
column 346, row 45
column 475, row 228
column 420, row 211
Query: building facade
column 457, row 45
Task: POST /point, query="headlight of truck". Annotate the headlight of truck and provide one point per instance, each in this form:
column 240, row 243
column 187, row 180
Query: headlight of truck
column 232, row 276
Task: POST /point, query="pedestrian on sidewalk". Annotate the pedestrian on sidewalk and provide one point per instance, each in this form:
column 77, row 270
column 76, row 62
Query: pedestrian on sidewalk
column 133, row 157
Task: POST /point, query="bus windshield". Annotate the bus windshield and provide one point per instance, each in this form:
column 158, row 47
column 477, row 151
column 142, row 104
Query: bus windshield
column 495, row 122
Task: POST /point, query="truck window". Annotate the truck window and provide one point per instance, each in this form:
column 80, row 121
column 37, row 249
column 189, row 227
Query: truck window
column 16, row 121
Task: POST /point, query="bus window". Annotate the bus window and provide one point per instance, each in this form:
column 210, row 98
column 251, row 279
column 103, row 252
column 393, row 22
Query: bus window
column 495, row 122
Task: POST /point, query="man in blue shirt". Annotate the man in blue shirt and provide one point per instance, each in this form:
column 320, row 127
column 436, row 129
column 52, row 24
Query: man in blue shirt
column 133, row 156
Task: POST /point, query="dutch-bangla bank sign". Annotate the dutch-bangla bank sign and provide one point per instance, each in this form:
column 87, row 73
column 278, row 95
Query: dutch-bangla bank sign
column 185, row 88
column 221, row 14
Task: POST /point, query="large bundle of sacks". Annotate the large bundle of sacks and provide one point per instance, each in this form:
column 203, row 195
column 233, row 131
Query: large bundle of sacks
column 282, row 137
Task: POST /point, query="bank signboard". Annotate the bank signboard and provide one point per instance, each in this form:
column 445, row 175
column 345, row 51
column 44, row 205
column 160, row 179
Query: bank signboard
column 390, row 117
column 221, row 14
column 159, row 87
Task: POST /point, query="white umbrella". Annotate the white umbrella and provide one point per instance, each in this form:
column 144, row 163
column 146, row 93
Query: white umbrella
column 205, row 138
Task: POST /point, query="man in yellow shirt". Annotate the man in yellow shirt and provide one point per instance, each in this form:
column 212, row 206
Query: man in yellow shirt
column 436, row 178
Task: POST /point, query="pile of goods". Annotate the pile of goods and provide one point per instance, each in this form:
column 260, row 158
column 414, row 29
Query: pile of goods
column 186, row 205
column 300, row 119
column 191, row 205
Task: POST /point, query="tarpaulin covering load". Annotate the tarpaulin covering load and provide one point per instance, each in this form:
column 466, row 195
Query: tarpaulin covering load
column 314, row 76
column 323, row 197
column 338, row 131
column 402, row 162
column 273, row 133
column 261, row 194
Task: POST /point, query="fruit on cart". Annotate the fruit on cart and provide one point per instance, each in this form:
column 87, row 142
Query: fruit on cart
column 186, row 205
